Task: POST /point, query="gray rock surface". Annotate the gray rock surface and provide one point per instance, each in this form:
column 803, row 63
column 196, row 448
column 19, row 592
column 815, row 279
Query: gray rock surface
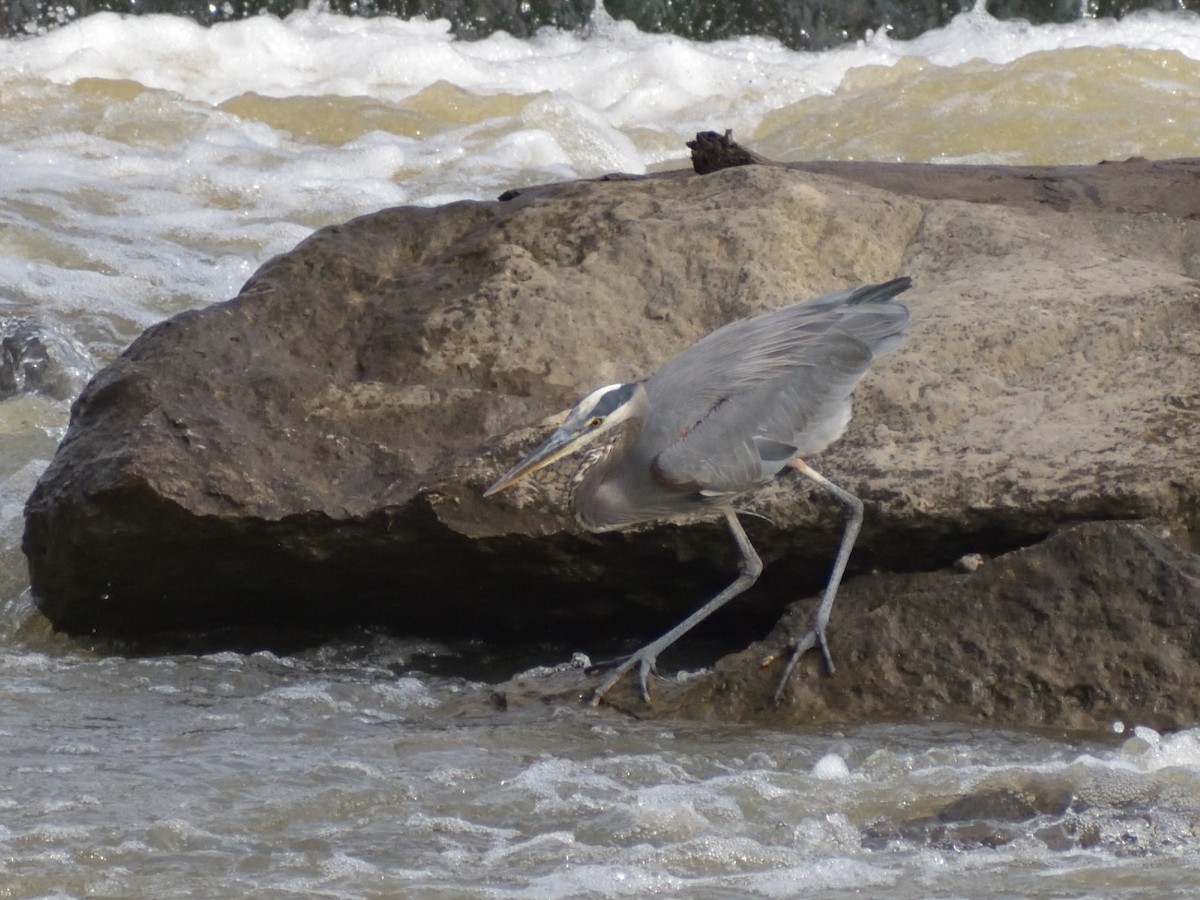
column 312, row 452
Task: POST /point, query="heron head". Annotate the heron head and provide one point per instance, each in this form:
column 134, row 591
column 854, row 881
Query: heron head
column 593, row 416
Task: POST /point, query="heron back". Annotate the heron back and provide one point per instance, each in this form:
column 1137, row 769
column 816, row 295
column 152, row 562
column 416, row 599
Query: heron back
column 725, row 415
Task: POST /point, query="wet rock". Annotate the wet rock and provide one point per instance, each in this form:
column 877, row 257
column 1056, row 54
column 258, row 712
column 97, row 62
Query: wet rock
column 312, row 452
column 966, row 836
column 1098, row 624
column 1071, row 834
column 37, row 358
column 1006, row 804
column 983, row 817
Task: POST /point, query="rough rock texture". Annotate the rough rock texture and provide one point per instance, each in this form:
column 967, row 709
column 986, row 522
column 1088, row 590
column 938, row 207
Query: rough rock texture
column 1096, row 625
column 312, row 452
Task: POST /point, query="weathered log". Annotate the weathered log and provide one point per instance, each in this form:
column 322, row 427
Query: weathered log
column 712, row 152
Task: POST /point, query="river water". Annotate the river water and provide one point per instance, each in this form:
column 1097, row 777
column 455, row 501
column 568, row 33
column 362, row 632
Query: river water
column 148, row 166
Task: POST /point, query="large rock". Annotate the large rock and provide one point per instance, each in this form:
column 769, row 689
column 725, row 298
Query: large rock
column 312, row 452
column 1096, row 627
column 307, row 452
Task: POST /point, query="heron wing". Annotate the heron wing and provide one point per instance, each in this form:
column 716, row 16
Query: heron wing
column 728, row 413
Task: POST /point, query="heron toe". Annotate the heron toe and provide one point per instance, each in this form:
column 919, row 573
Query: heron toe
column 643, row 659
column 814, row 637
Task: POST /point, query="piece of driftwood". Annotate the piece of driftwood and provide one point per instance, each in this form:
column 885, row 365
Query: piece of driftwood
column 712, row 152
column 1136, row 185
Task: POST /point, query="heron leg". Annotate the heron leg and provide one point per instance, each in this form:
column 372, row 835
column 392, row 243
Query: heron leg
column 751, row 568
column 816, row 634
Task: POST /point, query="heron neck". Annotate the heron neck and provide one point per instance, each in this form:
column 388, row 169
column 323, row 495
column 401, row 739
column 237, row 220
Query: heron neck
column 593, row 500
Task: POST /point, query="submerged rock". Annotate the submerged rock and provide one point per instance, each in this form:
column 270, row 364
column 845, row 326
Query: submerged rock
column 37, row 357
column 312, row 452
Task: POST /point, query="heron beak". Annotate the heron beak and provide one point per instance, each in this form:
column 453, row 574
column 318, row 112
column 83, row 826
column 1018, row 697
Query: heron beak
column 558, row 445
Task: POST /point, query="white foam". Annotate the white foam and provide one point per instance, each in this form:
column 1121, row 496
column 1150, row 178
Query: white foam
column 1153, row 752
column 598, row 880
column 976, row 35
column 404, row 694
column 306, row 53
column 291, row 695
column 1147, row 751
column 831, row 767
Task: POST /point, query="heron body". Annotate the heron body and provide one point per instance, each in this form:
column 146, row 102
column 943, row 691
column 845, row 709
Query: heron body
column 721, row 419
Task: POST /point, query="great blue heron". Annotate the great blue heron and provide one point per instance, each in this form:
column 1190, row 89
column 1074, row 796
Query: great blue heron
column 724, row 417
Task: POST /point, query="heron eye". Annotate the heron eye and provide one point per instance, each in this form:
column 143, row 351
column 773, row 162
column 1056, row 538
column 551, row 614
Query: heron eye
column 595, row 422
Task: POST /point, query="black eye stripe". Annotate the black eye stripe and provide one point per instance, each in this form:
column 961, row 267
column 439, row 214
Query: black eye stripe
column 613, row 400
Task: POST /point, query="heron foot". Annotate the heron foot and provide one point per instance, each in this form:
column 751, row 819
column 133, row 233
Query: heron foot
column 815, row 637
column 644, row 660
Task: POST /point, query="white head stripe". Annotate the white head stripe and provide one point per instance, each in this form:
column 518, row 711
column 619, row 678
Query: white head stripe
column 591, row 399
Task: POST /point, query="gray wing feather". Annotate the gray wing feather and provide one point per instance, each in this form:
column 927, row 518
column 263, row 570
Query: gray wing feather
column 728, row 413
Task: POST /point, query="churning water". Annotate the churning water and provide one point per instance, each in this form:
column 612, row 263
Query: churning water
column 148, row 165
